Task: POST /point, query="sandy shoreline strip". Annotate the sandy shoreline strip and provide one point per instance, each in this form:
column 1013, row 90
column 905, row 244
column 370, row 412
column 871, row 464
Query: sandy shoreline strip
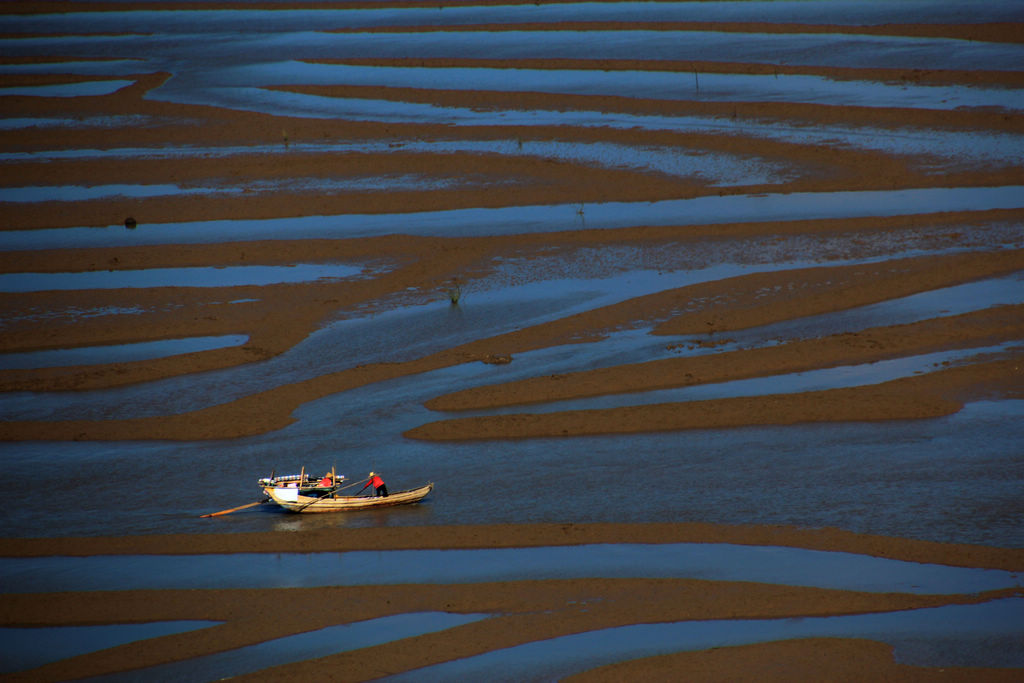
column 520, row 535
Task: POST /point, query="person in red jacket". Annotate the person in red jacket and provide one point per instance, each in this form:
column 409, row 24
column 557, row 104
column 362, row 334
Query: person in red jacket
column 327, row 481
column 379, row 487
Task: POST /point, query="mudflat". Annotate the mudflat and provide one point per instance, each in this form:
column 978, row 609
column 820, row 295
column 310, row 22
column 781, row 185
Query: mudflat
column 519, row 251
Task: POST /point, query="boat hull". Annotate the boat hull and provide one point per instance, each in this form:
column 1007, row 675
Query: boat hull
column 291, row 500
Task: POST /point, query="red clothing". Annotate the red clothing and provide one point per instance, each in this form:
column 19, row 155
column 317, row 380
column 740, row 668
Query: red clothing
column 326, row 481
column 375, row 481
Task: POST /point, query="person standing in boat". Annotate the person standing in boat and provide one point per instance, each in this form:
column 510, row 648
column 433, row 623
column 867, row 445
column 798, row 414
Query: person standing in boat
column 379, row 487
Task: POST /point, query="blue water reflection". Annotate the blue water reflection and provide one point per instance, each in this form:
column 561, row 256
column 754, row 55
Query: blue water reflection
column 966, row 147
column 479, row 222
column 248, row 18
column 311, row 40
column 989, row 634
column 27, row 648
column 657, row 85
column 842, row 376
column 275, row 652
column 251, row 188
column 708, row 561
column 189, row 276
column 81, row 89
column 117, row 353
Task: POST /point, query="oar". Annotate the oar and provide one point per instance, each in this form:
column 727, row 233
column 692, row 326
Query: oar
column 240, row 507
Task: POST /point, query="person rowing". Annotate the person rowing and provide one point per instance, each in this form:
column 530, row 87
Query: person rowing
column 379, row 487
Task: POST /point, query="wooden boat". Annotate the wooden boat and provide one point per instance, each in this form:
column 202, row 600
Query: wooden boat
column 303, row 482
column 300, row 494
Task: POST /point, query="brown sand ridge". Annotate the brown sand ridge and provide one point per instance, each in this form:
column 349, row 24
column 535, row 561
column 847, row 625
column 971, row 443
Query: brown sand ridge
column 988, row 32
column 402, row 270
column 832, row 659
column 520, row 611
column 999, row 324
column 282, row 315
column 902, row 399
column 734, row 309
column 521, row 536
column 865, row 168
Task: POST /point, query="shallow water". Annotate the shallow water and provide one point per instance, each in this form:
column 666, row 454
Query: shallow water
column 191, row 276
column 286, row 103
column 946, row 301
column 535, row 290
column 977, row 501
column 296, row 648
column 117, row 353
column 60, row 122
column 185, row 51
column 711, row 210
column 989, row 634
column 842, row 12
column 844, row 376
column 77, row 193
column 656, row 85
column 325, row 186
column 81, row 89
column 708, row 561
column 954, row 479
column 27, row 648
column 967, row 147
